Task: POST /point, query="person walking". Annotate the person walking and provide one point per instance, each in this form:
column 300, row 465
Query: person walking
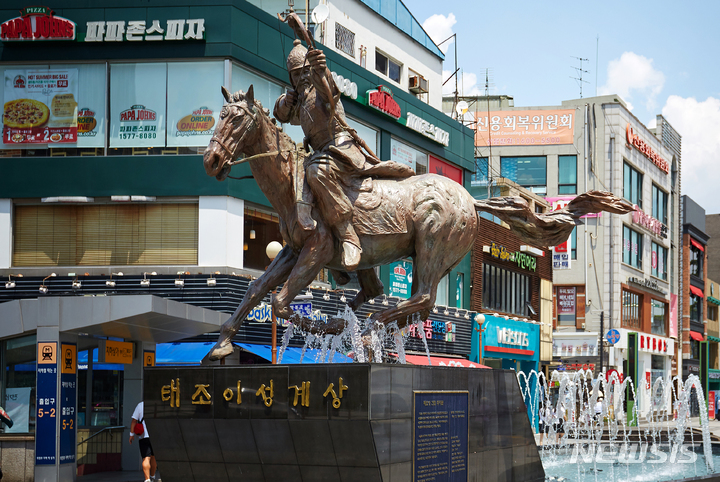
column 139, row 429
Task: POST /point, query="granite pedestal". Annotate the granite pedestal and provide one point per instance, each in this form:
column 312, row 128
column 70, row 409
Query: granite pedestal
column 348, row 423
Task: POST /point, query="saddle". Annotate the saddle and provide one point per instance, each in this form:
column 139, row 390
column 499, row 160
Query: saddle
column 370, row 214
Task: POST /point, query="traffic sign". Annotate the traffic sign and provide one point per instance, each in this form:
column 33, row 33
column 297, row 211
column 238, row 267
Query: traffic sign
column 613, row 336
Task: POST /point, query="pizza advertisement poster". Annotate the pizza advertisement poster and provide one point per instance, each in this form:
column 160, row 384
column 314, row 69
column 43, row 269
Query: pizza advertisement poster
column 40, row 106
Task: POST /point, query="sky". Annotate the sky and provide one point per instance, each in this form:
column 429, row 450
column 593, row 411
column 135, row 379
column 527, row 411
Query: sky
column 661, row 57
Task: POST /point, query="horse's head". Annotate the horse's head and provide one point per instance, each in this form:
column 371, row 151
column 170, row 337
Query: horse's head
column 236, row 129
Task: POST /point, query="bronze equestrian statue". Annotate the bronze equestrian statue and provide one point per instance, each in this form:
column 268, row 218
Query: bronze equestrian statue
column 367, row 213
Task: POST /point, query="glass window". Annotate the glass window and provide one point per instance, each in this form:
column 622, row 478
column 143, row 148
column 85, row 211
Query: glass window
column 632, row 184
column 107, row 392
column 658, row 318
column 366, row 133
column 573, row 243
column 138, row 94
column 387, row 66
column 459, row 281
column 408, row 155
column 505, row 291
column 659, row 261
column 567, row 174
column 694, row 349
column 631, row 310
column 632, row 247
column 712, row 313
column 261, row 228
column 529, row 172
column 442, row 292
column 193, row 108
column 696, row 308
column 20, row 360
column 659, row 206
column 480, row 176
column 696, row 261
column 88, row 86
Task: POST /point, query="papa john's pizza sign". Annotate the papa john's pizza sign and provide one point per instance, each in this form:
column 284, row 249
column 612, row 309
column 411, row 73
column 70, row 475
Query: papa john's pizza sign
column 382, row 100
column 37, row 23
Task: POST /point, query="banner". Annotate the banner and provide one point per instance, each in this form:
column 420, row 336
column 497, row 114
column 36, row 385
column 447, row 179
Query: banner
column 17, row 405
column 525, row 127
column 137, row 105
column 193, row 107
column 401, row 279
column 40, row 106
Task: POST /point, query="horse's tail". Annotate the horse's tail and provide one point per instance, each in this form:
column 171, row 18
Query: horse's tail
column 553, row 228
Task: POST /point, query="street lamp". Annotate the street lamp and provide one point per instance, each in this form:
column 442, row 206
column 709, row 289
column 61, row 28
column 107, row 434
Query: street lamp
column 272, row 250
column 480, row 319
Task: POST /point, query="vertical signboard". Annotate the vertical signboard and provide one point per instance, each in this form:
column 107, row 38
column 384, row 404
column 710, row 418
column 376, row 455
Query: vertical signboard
column 68, row 402
column 440, row 436
column 46, row 404
column 401, row 279
column 566, row 304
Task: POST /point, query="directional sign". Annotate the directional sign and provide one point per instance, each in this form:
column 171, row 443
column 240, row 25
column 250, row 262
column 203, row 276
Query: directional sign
column 613, row 336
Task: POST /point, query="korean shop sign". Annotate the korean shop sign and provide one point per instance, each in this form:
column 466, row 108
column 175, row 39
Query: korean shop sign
column 139, row 31
column 524, row 127
column 382, row 100
column 110, row 351
column 648, row 222
column 429, row 130
column 634, row 140
column 523, row 260
column 37, row 23
column 401, row 279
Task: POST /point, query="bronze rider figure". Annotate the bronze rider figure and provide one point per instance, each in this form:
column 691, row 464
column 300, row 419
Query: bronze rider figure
column 336, row 155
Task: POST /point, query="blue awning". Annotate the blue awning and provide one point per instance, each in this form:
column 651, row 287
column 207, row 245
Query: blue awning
column 292, row 354
column 190, row 353
column 83, row 362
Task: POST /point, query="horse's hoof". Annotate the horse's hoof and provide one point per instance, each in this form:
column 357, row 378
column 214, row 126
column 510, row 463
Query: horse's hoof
column 219, row 351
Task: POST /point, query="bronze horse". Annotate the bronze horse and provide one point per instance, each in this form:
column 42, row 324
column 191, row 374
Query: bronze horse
column 428, row 218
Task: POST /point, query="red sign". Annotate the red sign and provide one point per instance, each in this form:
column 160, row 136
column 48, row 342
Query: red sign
column 382, row 100
column 37, row 23
column 711, row 405
column 436, row 166
column 648, row 380
column 642, row 146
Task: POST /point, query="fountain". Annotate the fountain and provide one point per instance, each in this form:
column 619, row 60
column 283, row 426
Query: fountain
column 600, row 441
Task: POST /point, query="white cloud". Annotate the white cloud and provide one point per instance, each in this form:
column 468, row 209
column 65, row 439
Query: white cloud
column 634, row 75
column 467, row 84
column 699, row 125
column 439, row 27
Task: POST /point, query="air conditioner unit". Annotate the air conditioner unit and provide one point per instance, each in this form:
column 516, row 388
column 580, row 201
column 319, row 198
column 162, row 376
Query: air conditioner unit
column 418, row 84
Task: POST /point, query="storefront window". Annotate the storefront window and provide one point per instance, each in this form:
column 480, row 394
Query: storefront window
column 106, row 392
column 409, row 156
column 657, row 364
column 567, row 174
column 20, row 363
column 480, row 176
column 81, row 104
column 631, row 310
column 658, row 318
column 529, row 172
column 261, row 228
column 506, row 291
column 659, row 261
column 696, row 308
column 632, row 184
column 632, row 247
column 193, row 107
column 366, row 133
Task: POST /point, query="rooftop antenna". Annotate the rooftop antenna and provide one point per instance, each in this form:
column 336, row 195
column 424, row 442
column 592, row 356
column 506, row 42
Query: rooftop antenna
column 454, row 74
column 580, row 70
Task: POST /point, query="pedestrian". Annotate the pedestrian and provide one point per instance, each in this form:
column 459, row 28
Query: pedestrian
column 139, row 429
column 559, row 425
column 599, row 409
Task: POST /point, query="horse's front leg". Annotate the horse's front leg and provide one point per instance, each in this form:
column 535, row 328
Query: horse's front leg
column 277, row 273
column 316, row 253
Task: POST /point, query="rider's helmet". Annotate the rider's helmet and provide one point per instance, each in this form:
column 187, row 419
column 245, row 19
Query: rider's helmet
column 296, row 58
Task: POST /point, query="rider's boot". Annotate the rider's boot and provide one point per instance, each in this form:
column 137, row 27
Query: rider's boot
column 351, row 250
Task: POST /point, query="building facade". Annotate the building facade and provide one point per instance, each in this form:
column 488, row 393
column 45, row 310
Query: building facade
column 614, row 272
column 104, row 195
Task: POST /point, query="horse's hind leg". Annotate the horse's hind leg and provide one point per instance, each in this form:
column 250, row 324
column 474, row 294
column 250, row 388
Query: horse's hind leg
column 277, row 273
column 370, row 285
